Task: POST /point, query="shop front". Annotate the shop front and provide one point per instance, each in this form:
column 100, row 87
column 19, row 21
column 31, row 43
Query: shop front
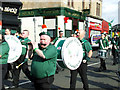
column 10, row 11
column 95, row 30
column 57, row 18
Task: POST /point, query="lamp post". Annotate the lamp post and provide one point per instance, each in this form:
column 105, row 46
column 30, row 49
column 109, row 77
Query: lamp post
column 34, row 20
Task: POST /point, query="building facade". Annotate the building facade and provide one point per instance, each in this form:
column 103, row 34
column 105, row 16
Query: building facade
column 65, row 15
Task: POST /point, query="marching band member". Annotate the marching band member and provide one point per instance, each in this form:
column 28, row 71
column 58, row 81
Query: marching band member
column 16, row 71
column 4, row 49
column 60, row 36
column 53, row 42
column 43, row 62
column 103, row 45
column 8, row 32
column 115, row 50
column 82, row 69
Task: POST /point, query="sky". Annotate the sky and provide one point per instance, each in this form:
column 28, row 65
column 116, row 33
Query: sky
column 110, row 11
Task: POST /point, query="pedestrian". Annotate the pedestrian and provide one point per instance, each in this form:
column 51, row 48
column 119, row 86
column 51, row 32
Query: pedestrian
column 82, row 69
column 43, row 62
column 16, row 71
column 115, row 49
column 103, row 45
column 4, row 50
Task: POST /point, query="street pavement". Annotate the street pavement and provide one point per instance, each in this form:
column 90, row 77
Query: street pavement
column 106, row 80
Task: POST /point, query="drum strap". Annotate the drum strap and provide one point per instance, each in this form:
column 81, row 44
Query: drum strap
column 101, row 44
column 82, row 42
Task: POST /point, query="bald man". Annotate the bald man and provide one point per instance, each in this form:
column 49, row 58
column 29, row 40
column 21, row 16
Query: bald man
column 44, row 62
column 82, row 69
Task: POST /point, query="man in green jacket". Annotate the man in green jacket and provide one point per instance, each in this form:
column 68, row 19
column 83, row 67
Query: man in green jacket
column 44, row 62
column 115, row 49
column 103, row 45
column 4, row 50
column 82, row 69
column 16, row 71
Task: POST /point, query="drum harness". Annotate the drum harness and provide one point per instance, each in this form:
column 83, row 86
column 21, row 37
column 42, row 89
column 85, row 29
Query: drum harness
column 84, row 51
column 102, row 44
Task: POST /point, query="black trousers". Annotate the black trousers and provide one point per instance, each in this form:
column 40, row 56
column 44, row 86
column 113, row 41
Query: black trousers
column 43, row 84
column 3, row 69
column 102, row 64
column 116, row 56
column 16, row 72
column 82, row 70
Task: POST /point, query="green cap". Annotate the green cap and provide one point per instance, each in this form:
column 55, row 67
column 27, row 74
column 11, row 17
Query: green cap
column 13, row 31
column 44, row 33
column 60, row 31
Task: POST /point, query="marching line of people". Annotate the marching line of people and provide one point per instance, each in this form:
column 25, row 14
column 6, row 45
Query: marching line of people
column 44, row 59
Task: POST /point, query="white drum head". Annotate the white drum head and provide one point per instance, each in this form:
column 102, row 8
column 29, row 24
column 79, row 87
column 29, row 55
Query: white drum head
column 15, row 48
column 72, row 53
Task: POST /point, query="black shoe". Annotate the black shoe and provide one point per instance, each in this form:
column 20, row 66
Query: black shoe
column 114, row 63
column 118, row 74
column 13, row 87
column 100, row 69
column 104, row 69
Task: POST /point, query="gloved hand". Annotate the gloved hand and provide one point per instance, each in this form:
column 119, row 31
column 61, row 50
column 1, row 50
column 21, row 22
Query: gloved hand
column 84, row 61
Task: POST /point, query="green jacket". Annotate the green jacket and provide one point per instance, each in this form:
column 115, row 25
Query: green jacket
column 104, row 43
column 24, row 42
column 86, row 48
column 115, row 42
column 40, row 67
column 54, row 41
column 4, row 51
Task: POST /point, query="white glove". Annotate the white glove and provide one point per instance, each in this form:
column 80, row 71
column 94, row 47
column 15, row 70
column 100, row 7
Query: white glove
column 84, row 61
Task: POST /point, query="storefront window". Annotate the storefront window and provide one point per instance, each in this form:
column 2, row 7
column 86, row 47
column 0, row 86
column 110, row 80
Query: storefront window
column 52, row 32
column 68, row 33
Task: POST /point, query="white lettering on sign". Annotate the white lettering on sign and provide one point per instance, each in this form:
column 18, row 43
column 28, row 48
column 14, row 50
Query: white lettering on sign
column 8, row 9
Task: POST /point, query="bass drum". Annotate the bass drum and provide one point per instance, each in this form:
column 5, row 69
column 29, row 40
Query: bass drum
column 70, row 53
column 102, row 54
column 15, row 48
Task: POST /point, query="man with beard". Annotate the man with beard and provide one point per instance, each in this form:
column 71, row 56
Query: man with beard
column 44, row 62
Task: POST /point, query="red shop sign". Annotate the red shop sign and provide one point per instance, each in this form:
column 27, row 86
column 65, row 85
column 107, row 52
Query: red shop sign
column 95, row 26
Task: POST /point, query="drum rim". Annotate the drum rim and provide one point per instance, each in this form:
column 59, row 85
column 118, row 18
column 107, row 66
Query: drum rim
column 70, row 38
column 20, row 46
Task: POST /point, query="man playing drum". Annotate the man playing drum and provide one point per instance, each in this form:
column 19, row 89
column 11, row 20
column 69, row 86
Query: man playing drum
column 44, row 62
column 103, row 45
column 53, row 42
column 82, row 69
column 16, row 71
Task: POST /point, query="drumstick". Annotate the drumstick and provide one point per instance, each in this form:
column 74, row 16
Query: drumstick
column 21, row 63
